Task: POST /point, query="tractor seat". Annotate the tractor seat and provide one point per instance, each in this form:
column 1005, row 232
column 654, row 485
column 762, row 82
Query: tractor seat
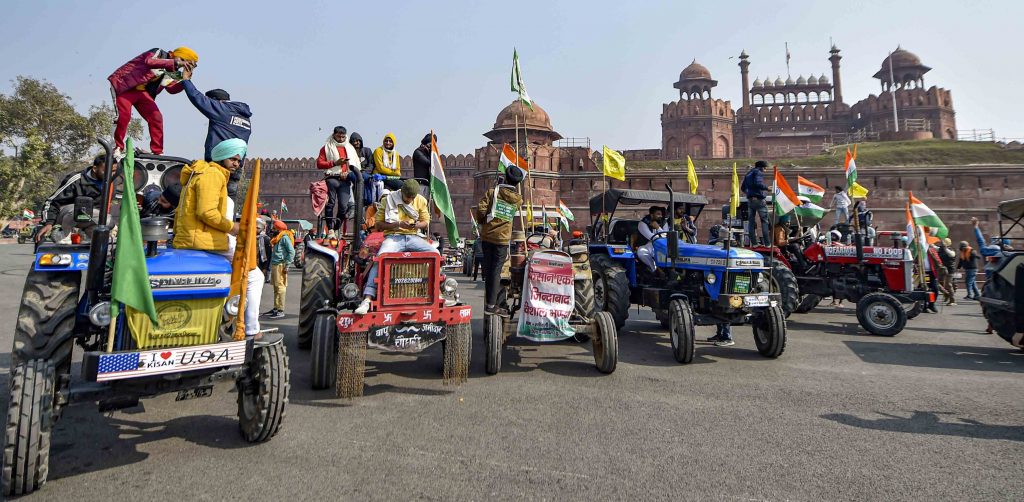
column 373, row 242
column 622, row 231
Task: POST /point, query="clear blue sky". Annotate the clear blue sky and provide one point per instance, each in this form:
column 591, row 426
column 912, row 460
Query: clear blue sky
column 601, row 69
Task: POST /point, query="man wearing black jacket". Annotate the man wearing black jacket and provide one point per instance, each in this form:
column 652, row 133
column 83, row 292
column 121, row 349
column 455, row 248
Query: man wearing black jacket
column 86, row 183
column 421, row 160
column 756, row 191
column 228, row 120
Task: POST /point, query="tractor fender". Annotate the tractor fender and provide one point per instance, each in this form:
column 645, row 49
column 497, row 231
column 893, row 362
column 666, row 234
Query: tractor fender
column 314, row 246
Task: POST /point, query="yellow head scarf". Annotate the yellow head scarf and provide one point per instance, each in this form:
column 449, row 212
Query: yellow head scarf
column 186, row 54
column 387, row 163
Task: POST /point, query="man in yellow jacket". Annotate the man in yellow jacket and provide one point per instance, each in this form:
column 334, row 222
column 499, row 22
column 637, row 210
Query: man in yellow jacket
column 205, row 220
column 387, row 164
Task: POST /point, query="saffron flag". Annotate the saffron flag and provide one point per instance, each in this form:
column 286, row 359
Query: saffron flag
column 564, row 211
column 691, row 175
column 510, row 158
column 857, row 191
column 439, row 187
column 785, row 199
column 614, row 164
column 809, row 189
column 925, row 217
column 518, row 86
column 131, row 277
column 851, row 166
column 244, row 259
column 734, row 198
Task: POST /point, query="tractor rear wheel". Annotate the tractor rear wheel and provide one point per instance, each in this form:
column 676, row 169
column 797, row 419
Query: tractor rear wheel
column 495, row 338
column 30, row 420
column 807, row 304
column 881, row 314
column 784, row 281
column 1002, row 321
column 586, row 305
column 606, row 343
column 263, row 393
column 915, row 309
column 611, row 288
column 770, row 333
column 317, row 291
column 681, row 330
column 323, row 364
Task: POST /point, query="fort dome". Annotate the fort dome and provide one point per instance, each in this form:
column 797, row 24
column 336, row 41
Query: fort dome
column 535, row 118
column 695, row 71
column 906, row 67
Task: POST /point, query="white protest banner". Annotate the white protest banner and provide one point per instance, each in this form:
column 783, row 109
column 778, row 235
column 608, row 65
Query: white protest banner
column 547, row 297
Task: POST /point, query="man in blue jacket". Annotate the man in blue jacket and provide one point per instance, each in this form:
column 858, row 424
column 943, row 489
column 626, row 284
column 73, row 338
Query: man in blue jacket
column 228, row 120
column 755, row 189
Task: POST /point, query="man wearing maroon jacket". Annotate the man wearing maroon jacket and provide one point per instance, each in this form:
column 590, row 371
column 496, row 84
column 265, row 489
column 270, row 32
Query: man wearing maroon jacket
column 336, row 158
column 136, row 84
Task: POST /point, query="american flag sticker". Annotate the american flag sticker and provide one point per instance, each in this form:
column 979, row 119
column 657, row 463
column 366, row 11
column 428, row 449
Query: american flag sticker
column 118, row 363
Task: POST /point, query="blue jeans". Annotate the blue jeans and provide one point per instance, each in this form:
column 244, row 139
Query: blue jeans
column 723, row 330
column 396, row 243
column 970, row 276
column 842, row 215
column 756, row 208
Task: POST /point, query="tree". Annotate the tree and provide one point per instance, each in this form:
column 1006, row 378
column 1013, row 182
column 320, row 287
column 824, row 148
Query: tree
column 49, row 137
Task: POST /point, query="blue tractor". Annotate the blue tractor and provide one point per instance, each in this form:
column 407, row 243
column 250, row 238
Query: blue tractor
column 695, row 284
column 66, row 302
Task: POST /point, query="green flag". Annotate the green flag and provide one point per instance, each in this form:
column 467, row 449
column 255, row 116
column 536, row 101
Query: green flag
column 439, row 187
column 518, row 86
column 131, row 279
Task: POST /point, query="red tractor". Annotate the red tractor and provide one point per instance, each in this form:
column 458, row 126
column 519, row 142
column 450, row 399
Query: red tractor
column 880, row 280
column 416, row 306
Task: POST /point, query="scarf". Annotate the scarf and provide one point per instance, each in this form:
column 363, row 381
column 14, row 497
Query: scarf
column 965, row 254
column 395, row 208
column 282, row 233
column 331, row 153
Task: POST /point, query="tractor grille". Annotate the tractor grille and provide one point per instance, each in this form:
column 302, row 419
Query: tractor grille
column 741, row 283
column 410, row 281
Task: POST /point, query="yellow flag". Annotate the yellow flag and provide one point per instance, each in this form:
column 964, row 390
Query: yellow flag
column 856, row 191
column 691, row 175
column 529, row 213
column 734, row 200
column 245, row 249
column 614, row 164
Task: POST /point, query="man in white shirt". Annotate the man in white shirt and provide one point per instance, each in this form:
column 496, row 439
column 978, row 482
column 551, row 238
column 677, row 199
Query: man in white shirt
column 648, row 229
column 841, row 203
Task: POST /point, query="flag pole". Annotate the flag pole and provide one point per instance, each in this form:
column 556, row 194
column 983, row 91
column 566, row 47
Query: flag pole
column 921, row 249
column 526, row 139
column 111, row 331
column 892, row 92
column 771, row 230
column 519, row 187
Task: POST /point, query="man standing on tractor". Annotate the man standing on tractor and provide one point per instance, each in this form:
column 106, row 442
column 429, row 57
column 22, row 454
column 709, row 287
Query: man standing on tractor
column 228, row 119
column 335, row 159
column 283, row 243
column 421, row 160
column 496, row 233
column 755, row 189
column 649, row 227
column 841, row 203
column 137, row 83
column 85, row 183
column 204, row 221
column 401, row 216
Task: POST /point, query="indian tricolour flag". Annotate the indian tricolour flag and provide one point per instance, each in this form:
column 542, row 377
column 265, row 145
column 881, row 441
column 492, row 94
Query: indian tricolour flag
column 851, row 166
column 810, row 211
column 925, row 217
column 439, row 188
column 785, row 199
column 564, row 211
column 809, row 189
column 510, row 158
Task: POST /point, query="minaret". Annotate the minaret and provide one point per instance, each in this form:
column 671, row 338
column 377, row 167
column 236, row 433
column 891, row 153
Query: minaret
column 837, row 82
column 746, row 79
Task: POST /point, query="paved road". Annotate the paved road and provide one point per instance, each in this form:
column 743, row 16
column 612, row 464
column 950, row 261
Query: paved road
column 932, row 414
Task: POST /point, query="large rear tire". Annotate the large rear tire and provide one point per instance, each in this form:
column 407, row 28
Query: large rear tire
column 770, row 333
column 606, row 343
column 681, row 330
column 784, row 281
column 807, row 303
column 881, row 314
column 1002, row 321
column 611, row 288
column 324, row 364
column 263, row 393
column 586, row 304
column 30, row 420
column 317, row 290
column 495, row 341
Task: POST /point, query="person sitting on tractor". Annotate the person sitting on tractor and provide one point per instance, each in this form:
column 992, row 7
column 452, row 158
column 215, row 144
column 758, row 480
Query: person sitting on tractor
column 684, row 223
column 401, row 216
column 204, row 221
column 387, row 163
column 85, row 183
column 648, row 229
column 496, row 233
column 161, row 203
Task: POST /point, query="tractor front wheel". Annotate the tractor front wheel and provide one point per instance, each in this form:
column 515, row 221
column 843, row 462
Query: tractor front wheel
column 606, row 343
column 263, row 393
column 770, row 333
column 681, row 330
column 324, row 365
column 881, row 314
column 495, row 327
column 30, row 420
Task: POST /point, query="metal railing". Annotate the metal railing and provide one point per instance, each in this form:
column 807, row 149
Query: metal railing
column 976, row 135
column 573, row 142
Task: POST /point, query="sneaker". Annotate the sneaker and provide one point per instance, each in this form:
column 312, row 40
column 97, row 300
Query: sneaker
column 716, row 338
column 363, row 307
column 951, row 304
column 725, row 342
column 269, row 313
column 278, row 314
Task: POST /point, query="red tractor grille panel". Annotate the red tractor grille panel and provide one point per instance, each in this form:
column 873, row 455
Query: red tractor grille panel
column 409, row 282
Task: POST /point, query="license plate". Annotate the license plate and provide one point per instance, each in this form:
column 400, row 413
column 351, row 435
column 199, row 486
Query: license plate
column 755, row 301
column 196, row 393
column 121, row 365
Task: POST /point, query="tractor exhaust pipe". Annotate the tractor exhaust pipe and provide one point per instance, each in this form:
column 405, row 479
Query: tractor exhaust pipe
column 100, row 246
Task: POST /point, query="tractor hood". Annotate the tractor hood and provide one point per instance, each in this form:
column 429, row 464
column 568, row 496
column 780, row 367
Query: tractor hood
column 702, row 255
column 176, row 274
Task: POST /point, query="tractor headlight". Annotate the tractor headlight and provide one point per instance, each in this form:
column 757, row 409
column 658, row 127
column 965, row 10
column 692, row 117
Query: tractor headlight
column 350, row 291
column 711, row 278
column 735, row 301
column 450, row 286
column 231, row 307
column 55, row 260
column 99, row 314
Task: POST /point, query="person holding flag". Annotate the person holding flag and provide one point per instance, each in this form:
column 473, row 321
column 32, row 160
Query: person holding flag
column 494, row 215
